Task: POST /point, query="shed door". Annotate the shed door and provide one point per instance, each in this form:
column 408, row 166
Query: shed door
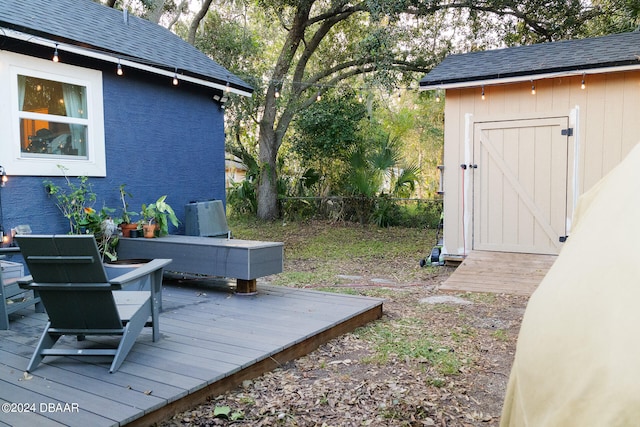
column 520, row 185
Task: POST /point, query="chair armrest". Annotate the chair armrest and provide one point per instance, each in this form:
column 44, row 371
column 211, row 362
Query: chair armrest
column 39, row 286
column 26, row 280
column 140, row 272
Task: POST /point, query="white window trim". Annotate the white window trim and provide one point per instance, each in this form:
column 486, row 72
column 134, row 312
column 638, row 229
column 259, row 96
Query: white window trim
column 12, row 64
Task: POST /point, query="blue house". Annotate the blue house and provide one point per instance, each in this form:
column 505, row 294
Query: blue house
column 91, row 91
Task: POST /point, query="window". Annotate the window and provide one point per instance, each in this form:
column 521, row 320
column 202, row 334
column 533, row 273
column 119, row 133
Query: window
column 54, row 118
column 64, row 134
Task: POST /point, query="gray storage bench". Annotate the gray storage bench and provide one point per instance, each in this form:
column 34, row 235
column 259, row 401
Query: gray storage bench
column 243, row 260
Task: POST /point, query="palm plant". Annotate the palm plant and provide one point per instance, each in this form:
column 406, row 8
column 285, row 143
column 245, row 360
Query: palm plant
column 374, row 167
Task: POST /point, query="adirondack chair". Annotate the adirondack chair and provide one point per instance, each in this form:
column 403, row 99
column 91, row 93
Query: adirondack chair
column 9, row 290
column 68, row 274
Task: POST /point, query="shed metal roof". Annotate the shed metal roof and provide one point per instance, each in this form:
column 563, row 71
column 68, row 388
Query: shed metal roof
column 570, row 57
column 91, row 29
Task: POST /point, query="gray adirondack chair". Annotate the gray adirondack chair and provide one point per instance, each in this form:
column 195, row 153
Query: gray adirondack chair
column 9, row 290
column 68, row 274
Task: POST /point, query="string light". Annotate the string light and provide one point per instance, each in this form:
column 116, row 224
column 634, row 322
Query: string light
column 360, row 99
column 55, row 55
column 119, row 70
column 4, row 178
column 318, row 97
column 175, row 77
column 437, row 96
column 583, row 85
column 533, row 88
column 277, row 93
column 482, row 93
column 227, row 87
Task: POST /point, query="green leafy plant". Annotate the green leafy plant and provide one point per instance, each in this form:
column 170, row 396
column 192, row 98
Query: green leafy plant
column 104, row 229
column 126, row 213
column 225, row 413
column 160, row 213
column 73, row 200
column 76, row 204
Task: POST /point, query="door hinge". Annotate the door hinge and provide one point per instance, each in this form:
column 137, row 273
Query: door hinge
column 567, row 132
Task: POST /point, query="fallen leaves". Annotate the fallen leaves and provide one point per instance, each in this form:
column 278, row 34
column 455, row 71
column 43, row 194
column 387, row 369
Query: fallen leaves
column 342, row 383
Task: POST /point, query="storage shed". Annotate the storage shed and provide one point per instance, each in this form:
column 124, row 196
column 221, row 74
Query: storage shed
column 528, row 129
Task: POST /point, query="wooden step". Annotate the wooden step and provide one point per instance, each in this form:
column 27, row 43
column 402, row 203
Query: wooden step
column 499, row 272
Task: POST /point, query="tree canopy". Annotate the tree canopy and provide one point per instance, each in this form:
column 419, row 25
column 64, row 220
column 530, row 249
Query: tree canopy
column 295, row 52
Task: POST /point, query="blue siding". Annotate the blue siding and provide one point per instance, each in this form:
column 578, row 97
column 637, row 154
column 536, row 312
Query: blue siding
column 160, row 139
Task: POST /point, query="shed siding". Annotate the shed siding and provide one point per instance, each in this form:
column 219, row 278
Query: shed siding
column 606, row 126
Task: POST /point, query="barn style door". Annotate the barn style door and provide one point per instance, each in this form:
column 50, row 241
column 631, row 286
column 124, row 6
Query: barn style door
column 520, row 185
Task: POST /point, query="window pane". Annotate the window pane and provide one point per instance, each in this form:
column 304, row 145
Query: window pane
column 44, row 96
column 46, row 137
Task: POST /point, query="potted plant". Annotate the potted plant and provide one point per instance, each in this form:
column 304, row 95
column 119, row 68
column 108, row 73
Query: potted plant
column 104, row 229
column 157, row 217
column 75, row 203
column 126, row 225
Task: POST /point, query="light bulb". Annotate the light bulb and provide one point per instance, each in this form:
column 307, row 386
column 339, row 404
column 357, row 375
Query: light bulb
column 483, row 93
column 119, row 70
column 175, row 77
column 55, row 55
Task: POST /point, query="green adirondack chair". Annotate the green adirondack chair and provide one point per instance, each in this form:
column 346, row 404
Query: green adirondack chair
column 68, row 274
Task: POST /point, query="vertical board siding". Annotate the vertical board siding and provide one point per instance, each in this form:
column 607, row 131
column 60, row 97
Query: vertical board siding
column 607, row 127
column 519, row 185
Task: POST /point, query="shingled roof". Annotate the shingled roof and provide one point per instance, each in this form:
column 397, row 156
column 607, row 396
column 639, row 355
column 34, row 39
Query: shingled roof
column 539, row 60
column 89, row 28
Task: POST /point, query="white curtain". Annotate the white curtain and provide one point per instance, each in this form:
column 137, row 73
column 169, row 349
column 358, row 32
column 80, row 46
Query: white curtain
column 76, row 106
column 22, row 88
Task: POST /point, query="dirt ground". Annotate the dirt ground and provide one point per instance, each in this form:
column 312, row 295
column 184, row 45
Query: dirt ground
column 434, row 359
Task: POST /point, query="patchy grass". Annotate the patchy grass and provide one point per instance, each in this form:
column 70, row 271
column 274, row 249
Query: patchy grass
column 405, row 339
column 317, row 252
column 420, row 364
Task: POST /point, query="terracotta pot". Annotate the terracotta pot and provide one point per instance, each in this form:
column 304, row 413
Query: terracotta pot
column 149, row 230
column 126, row 229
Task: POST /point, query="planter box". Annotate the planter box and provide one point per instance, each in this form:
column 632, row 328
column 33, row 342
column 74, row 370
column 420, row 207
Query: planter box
column 244, row 260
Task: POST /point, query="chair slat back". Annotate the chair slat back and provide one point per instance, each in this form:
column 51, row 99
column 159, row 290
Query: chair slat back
column 71, row 309
column 68, row 271
column 62, row 258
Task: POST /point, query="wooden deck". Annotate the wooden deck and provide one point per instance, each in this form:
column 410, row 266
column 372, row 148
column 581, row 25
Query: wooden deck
column 499, row 272
column 212, row 340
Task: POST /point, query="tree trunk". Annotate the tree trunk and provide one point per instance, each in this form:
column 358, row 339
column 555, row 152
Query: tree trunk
column 267, row 183
column 193, row 27
column 155, row 11
column 271, row 134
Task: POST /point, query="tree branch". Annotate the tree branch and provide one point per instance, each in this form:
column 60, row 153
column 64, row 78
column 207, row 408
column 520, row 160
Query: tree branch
column 193, row 27
column 181, row 8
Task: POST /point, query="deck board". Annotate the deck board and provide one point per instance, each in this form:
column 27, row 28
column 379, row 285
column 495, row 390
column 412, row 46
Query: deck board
column 499, row 272
column 212, row 339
